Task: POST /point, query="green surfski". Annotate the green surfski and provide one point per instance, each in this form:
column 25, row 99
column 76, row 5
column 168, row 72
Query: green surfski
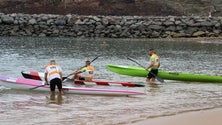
column 141, row 72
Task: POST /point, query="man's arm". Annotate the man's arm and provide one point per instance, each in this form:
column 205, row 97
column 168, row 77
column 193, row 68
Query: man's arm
column 60, row 73
column 46, row 79
column 151, row 65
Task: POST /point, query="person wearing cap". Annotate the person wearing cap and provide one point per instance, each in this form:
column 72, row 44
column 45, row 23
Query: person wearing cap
column 53, row 77
column 154, row 65
column 86, row 73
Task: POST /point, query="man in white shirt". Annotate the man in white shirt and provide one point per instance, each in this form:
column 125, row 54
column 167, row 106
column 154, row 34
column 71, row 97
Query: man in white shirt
column 53, row 76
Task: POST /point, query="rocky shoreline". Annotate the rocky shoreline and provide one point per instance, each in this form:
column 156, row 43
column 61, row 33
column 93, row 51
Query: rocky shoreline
column 109, row 26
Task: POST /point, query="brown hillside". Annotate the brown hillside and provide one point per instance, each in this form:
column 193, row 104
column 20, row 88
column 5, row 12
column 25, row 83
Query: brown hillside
column 87, row 7
column 110, row 7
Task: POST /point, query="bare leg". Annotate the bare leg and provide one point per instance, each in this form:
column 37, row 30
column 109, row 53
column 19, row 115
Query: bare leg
column 153, row 80
column 76, row 76
column 61, row 92
column 52, row 92
column 147, row 80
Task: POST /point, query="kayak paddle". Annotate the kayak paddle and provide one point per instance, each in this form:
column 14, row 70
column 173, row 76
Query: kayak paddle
column 38, row 86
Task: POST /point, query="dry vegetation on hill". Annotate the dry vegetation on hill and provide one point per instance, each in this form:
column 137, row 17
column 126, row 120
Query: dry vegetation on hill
column 114, row 7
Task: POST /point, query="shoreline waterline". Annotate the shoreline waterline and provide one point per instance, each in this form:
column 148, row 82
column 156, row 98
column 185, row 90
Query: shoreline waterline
column 200, row 117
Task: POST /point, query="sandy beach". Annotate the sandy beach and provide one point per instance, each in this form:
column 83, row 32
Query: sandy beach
column 203, row 117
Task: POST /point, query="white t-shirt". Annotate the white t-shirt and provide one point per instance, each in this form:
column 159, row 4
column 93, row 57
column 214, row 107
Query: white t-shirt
column 53, row 71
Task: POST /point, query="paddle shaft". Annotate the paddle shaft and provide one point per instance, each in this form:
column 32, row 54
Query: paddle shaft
column 158, row 78
column 91, row 61
column 136, row 62
column 63, row 78
column 38, row 86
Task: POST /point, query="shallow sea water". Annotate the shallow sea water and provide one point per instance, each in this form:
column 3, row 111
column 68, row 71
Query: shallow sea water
column 32, row 107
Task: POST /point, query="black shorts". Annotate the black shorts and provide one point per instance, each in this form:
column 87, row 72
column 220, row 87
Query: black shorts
column 81, row 78
column 152, row 73
column 55, row 82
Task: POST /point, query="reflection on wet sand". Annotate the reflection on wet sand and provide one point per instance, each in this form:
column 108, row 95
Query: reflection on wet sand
column 55, row 99
column 153, row 88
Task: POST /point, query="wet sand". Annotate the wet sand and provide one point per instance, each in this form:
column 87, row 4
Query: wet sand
column 203, row 117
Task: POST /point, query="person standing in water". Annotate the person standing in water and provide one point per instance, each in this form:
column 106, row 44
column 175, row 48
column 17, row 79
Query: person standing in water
column 53, row 76
column 154, row 66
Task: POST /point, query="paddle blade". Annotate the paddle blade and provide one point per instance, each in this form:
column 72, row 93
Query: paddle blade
column 159, row 79
column 139, row 85
column 63, row 78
